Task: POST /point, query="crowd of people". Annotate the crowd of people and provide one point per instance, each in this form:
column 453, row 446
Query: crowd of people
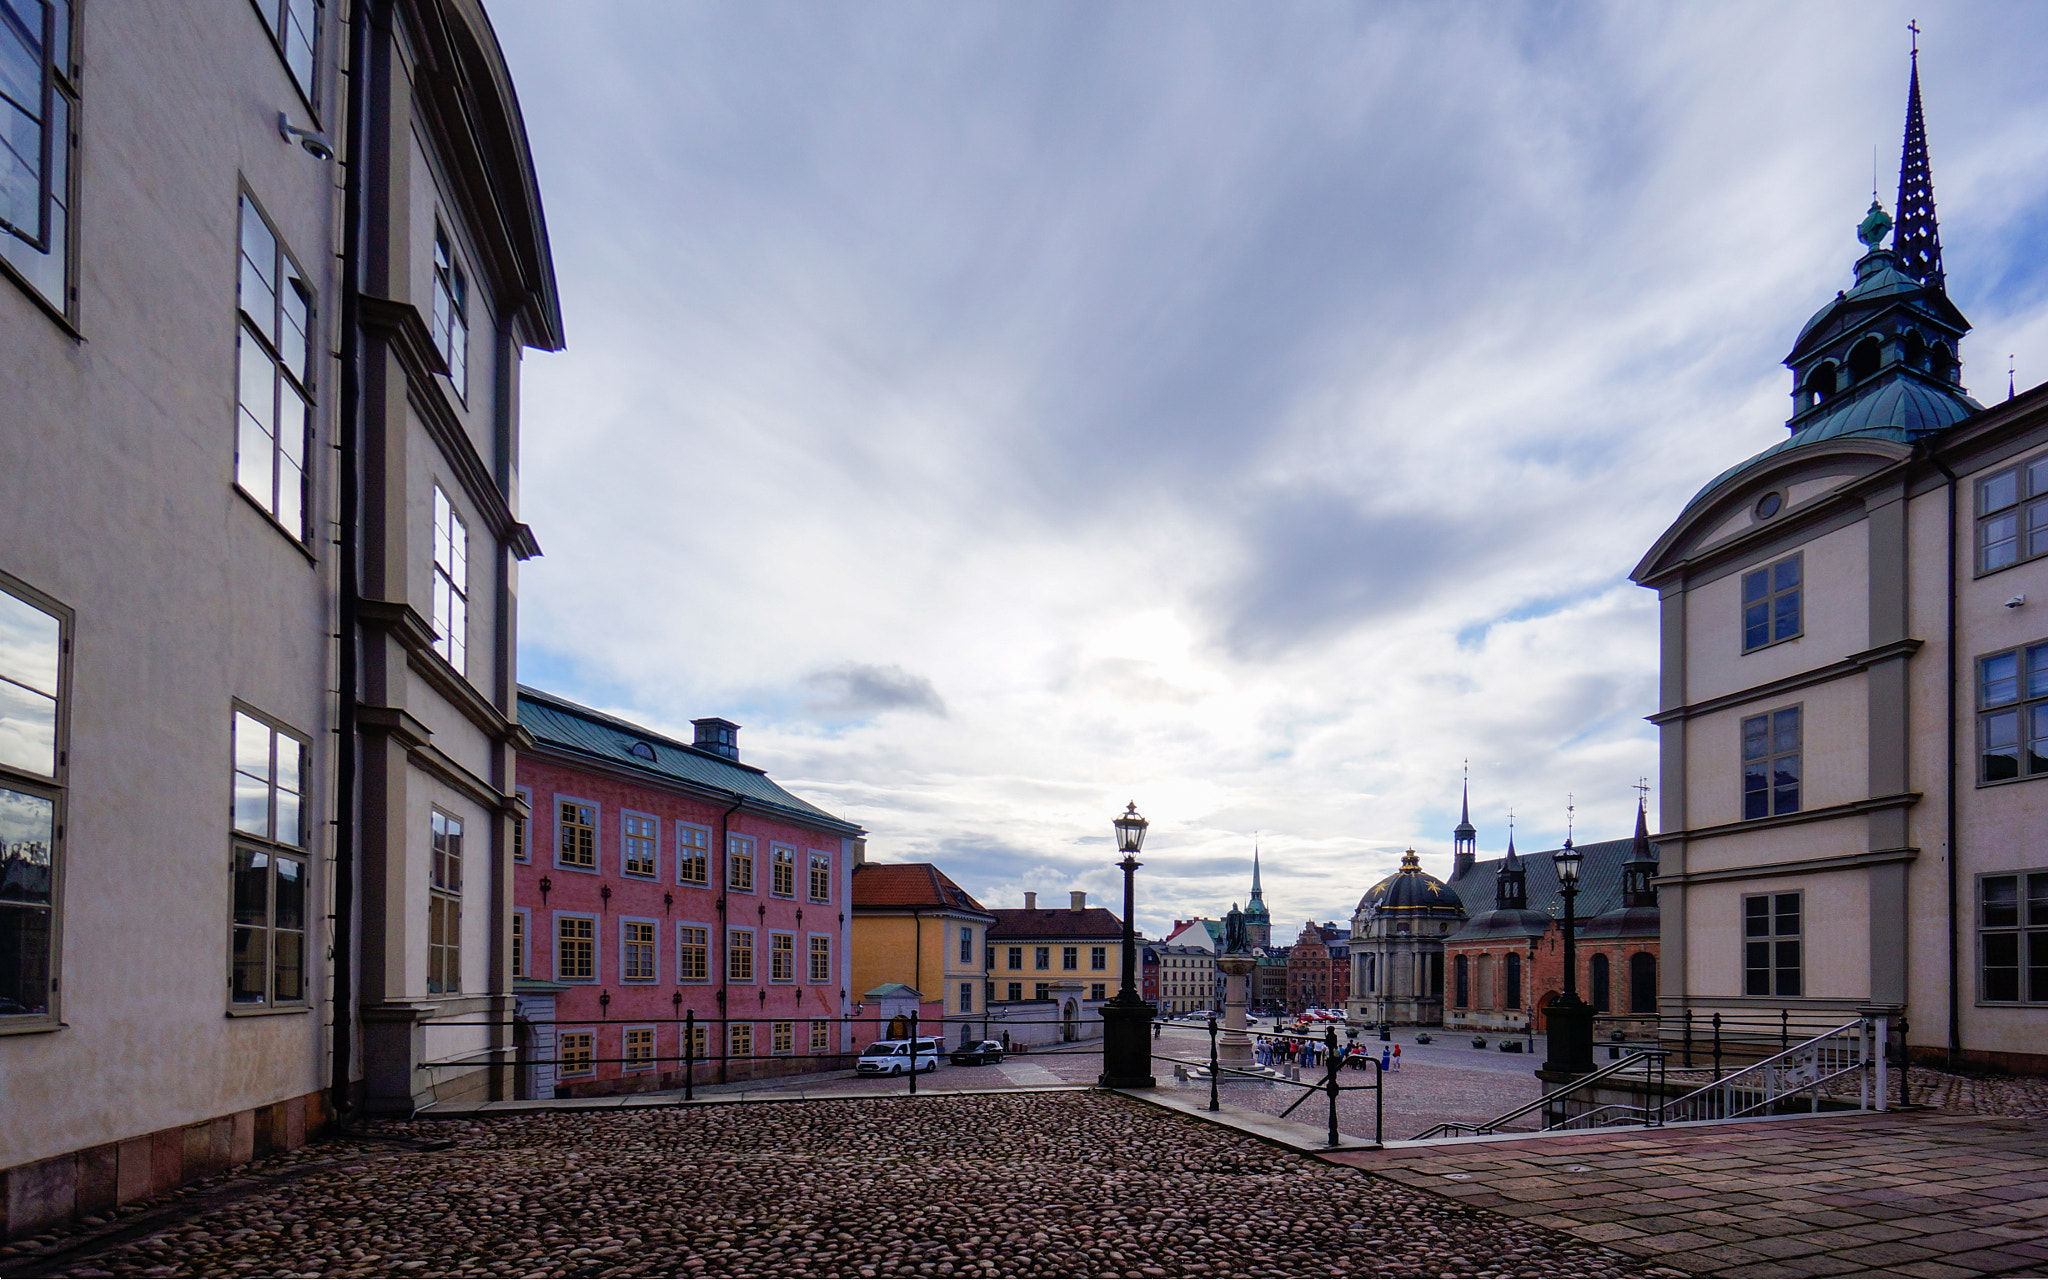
column 1301, row 1051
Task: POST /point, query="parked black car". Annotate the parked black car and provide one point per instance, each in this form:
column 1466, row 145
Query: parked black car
column 977, row 1053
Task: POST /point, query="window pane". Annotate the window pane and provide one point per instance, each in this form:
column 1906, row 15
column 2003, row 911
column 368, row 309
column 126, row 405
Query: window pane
column 1999, row 538
column 1788, row 969
column 1756, row 626
column 1785, row 574
column 1785, row 730
column 2037, row 966
column 1785, row 620
column 248, row 966
column 2000, row 491
column 1788, row 913
column 289, row 950
column 2037, row 899
column 24, row 959
column 2001, row 966
column 2001, row 901
column 1785, row 785
column 2037, row 477
column 26, row 838
column 252, row 805
column 29, row 648
column 2000, row 679
column 252, row 887
column 290, row 890
column 2001, row 746
column 1755, row 586
column 1755, row 737
column 1757, row 917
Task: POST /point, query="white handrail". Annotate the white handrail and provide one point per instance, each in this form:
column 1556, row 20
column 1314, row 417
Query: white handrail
column 1857, row 1046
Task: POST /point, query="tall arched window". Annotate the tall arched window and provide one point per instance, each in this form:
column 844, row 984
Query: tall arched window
column 1916, row 349
column 1602, row 983
column 1820, row 383
column 1463, row 986
column 1864, row 358
column 1642, row 983
column 1513, row 983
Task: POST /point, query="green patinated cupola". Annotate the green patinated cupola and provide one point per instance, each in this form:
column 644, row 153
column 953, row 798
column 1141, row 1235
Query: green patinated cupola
column 1885, row 353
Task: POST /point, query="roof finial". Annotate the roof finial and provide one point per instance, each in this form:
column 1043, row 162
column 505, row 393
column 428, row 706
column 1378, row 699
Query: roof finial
column 2011, row 371
column 1918, row 242
column 1570, row 809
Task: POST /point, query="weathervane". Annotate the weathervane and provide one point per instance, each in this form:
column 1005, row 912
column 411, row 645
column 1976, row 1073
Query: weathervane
column 1569, row 810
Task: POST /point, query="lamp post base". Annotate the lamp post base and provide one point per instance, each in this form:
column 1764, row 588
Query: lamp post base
column 1127, row 1045
column 1570, row 1036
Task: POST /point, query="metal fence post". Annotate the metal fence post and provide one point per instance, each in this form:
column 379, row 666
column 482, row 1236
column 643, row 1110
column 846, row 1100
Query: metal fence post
column 1688, row 1039
column 690, row 1056
column 1905, row 1057
column 1330, row 1083
column 913, row 1053
column 1717, row 1046
column 1784, row 1029
column 1215, row 1069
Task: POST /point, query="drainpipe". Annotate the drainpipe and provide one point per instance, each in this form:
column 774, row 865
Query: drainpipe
column 725, row 938
column 1955, row 1000
column 347, row 540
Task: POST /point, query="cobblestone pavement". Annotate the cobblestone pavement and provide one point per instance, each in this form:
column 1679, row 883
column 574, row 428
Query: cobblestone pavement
column 1062, row 1184
column 1915, row 1194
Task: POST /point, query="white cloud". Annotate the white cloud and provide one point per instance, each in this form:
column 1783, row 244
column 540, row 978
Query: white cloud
column 1006, row 411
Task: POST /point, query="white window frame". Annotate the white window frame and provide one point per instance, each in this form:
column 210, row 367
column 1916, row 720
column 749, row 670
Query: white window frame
column 596, row 946
column 266, row 838
column 710, row 936
column 42, row 258
column 733, row 1031
column 732, row 952
column 449, row 891
column 737, row 848
column 627, row 817
column 819, row 860
column 627, row 1064
column 450, row 316
column 561, row 1053
column 451, row 582
column 779, row 857
column 782, row 1038
column 781, row 935
column 596, row 866
column 653, row 948
column 702, row 850
column 811, row 958
column 276, row 345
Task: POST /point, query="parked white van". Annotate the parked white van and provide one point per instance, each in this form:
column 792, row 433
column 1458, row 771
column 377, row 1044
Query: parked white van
column 893, row 1057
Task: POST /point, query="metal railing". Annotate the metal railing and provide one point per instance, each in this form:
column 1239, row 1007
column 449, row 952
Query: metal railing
column 1453, row 1128
column 1855, row 1049
column 1328, row 1086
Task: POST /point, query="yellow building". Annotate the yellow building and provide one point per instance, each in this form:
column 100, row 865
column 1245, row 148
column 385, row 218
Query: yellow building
column 1032, row 952
column 912, row 925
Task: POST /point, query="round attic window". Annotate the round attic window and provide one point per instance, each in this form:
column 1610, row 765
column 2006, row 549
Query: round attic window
column 1769, row 505
column 641, row 749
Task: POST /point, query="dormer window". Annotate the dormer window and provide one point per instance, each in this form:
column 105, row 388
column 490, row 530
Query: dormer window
column 642, row 750
column 1864, row 358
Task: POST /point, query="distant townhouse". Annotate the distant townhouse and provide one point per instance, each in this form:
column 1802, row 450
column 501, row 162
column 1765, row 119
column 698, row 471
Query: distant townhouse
column 1188, row 975
column 676, row 911
column 1318, row 967
column 1071, row 956
column 914, row 930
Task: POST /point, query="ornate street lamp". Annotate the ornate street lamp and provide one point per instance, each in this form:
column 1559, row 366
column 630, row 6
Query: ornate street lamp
column 1127, row 1019
column 1571, row 1019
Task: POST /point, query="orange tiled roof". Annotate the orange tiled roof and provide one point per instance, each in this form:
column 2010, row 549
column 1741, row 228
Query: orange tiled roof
column 908, row 884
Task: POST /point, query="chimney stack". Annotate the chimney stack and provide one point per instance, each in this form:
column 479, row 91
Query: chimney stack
column 1079, row 898
column 719, row 737
column 860, row 853
column 1031, row 902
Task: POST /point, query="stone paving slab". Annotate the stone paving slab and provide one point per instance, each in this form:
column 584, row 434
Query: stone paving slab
column 1906, row 1193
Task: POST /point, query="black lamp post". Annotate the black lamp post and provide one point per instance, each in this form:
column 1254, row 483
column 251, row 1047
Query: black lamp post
column 1127, row 1019
column 1571, row 1019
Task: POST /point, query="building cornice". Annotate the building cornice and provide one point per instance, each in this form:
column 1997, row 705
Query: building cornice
column 1855, row 808
column 1851, row 665
column 1799, row 867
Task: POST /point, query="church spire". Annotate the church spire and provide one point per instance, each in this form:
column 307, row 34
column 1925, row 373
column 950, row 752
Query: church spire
column 1464, row 836
column 1917, row 243
column 1258, row 894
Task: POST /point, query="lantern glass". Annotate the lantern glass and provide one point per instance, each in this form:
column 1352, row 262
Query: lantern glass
column 1130, row 830
column 1567, row 860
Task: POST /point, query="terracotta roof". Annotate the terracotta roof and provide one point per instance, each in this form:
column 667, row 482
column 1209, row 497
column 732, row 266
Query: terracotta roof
column 1098, row 923
column 901, row 885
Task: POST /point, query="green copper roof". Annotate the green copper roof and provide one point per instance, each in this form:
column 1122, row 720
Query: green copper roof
column 566, row 729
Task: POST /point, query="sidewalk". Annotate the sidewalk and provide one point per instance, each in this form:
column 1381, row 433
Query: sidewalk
column 1914, row 1194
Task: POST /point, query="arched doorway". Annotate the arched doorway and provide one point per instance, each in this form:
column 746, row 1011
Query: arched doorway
column 1539, row 1020
column 1068, row 1032
column 1642, row 983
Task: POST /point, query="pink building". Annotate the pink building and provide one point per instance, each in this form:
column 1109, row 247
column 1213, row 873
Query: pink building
column 662, row 885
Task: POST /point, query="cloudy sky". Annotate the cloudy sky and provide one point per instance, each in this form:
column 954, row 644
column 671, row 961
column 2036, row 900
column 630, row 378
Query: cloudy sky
column 1008, row 410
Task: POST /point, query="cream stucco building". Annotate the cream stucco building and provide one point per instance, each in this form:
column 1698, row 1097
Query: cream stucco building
column 1854, row 700
column 264, row 291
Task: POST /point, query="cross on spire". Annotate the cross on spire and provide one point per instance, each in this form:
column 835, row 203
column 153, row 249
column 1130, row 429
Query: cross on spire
column 1917, row 241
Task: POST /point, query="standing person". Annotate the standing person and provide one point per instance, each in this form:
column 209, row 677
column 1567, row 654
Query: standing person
column 1397, row 1057
column 1386, row 1058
